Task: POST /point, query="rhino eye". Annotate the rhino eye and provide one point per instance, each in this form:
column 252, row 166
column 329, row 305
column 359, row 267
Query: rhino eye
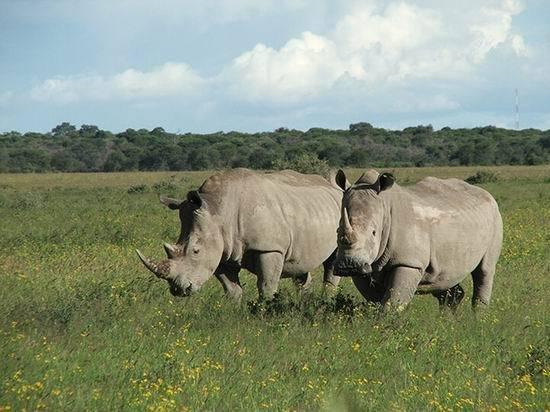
column 374, row 232
column 195, row 251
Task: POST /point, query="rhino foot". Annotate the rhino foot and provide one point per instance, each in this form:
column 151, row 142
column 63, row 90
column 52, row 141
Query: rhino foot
column 450, row 298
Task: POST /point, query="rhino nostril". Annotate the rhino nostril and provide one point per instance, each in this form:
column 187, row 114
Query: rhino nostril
column 349, row 266
column 175, row 290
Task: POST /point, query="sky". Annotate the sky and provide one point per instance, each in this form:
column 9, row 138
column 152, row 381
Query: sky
column 256, row 65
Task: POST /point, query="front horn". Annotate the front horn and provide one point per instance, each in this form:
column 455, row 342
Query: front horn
column 160, row 270
column 348, row 229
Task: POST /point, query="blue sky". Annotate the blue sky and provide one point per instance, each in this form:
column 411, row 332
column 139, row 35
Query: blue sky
column 255, row 65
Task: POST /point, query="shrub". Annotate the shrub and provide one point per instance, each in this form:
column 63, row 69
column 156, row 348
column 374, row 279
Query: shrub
column 165, row 186
column 482, row 177
column 304, row 163
column 137, row 189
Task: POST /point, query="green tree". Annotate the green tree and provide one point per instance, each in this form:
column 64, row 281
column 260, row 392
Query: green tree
column 64, row 129
column 87, row 130
column 360, row 128
column 116, row 162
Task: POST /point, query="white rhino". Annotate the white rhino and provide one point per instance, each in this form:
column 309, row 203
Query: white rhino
column 280, row 224
column 424, row 238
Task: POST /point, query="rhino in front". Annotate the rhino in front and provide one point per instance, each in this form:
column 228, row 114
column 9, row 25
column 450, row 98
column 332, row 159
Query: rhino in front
column 275, row 225
column 421, row 239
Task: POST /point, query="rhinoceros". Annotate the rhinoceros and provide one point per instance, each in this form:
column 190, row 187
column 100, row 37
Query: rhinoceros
column 280, row 224
column 425, row 238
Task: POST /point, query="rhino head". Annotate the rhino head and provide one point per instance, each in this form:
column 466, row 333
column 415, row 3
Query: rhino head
column 361, row 230
column 196, row 255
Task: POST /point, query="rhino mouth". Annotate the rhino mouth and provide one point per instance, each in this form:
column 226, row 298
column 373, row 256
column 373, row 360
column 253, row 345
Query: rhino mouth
column 352, row 267
column 180, row 291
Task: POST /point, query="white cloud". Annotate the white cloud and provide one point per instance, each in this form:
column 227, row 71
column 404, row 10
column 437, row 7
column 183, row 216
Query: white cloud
column 68, row 89
column 399, row 27
column 302, row 68
column 518, row 45
column 375, row 47
column 167, row 80
column 379, row 46
column 492, row 27
column 170, row 79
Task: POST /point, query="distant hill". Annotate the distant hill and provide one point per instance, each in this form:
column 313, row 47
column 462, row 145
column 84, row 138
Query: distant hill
column 88, row 148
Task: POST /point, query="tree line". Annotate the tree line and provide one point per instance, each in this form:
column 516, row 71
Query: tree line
column 89, row 149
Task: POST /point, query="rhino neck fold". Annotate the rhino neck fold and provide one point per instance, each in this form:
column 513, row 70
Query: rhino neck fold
column 230, row 231
column 384, row 251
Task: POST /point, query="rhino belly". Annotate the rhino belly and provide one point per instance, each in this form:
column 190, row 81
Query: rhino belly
column 443, row 281
column 451, row 262
column 309, row 248
column 307, row 259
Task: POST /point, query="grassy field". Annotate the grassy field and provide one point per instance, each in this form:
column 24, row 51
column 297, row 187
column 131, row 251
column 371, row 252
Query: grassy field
column 85, row 327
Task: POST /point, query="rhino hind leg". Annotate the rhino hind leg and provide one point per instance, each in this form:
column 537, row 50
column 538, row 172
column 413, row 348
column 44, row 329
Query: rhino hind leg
column 482, row 277
column 450, row 298
column 330, row 281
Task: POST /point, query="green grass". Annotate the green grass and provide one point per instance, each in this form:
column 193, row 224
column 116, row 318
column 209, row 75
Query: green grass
column 85, row 327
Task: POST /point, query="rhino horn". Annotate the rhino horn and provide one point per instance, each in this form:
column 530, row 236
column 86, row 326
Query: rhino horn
column 348, row 230
column 170, row 250
column 160, row 270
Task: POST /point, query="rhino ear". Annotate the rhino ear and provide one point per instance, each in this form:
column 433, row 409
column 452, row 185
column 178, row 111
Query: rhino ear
column 194, row 198
column 169, row 202
column 386, row 181
column 369, row 177
column 341, row 180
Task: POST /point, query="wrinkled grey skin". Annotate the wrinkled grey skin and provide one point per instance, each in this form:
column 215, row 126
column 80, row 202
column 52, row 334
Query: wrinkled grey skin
column 421, row 239
column 275, row 225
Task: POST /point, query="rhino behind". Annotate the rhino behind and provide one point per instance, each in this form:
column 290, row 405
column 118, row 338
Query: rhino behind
column 280, row 224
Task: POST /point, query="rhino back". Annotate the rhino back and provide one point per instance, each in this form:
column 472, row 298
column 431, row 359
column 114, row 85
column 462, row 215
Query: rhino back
column 288, row 212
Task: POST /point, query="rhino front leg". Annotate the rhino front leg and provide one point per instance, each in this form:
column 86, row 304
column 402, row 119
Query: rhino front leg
column 270, row 267
column 303, row 282
column 330, row 281
column 231, row 284
column 371, row 291
column 401, row 287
